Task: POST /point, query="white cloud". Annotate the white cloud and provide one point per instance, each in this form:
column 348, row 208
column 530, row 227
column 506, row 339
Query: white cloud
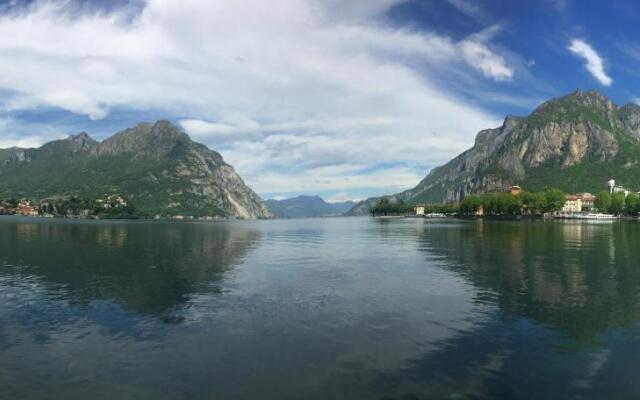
column 469, row 8
column 595, row 64
column 390, row 180
column 490, row 64
column 16, row 134
column 29, row 141
column 283, row 89
column 340, row 198
column 478, row 55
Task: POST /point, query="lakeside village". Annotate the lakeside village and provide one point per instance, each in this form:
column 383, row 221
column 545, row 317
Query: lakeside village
column 114, row 206
column 107, row 207
column 611, row 203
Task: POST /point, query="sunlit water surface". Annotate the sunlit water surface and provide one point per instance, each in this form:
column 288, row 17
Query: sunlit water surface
column 341, row 308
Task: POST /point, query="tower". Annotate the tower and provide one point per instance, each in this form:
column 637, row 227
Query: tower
column 610, row 185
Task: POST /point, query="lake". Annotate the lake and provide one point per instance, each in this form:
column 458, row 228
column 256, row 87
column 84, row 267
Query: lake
column 335, row 308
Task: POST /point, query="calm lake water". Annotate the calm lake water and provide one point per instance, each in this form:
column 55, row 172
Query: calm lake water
column 342, row 308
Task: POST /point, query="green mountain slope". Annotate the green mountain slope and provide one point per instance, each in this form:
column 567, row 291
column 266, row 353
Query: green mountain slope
column 157, row 166
column 575, row 143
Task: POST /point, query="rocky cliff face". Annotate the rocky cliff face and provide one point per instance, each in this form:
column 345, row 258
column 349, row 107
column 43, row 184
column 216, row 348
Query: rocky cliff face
column 156, row 165
column 575, row 143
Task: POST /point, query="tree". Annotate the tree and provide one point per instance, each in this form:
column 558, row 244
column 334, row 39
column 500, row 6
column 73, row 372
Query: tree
column 386, row 207
column 381, row 207
column 602, row 201
column 617, row 203
column 514, row 204
column 502, row 203
column 631, row 203
column 493, row 204
column 554, row 199
column 535, row 202
column 470, row 204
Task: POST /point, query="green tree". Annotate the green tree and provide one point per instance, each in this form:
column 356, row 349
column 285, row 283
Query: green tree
column 493, row 204
column 602, row 201
column 514, row 204
column 387, row 207
column 502, row 203
column 535, row 202
column 554, row 199
column 380, row 208
column 470, row 204
column 631, row 203
column 617, row 203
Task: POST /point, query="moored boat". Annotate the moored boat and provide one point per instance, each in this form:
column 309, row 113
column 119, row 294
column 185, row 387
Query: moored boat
column 585, row 216
column 435, row 215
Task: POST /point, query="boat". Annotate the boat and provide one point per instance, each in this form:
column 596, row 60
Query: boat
column 601, row 216
column 586, row 216
column 435, row 215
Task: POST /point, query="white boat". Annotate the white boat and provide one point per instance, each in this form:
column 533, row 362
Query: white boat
column 601, row 216
column 585, row 216
column 435, row 215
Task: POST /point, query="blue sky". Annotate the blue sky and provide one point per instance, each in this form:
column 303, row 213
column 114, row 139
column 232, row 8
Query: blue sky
column 346, row 99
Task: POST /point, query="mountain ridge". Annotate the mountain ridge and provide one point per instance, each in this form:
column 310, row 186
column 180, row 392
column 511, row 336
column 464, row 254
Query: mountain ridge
column 156, row 165
column 307, row 207
column 574, row 142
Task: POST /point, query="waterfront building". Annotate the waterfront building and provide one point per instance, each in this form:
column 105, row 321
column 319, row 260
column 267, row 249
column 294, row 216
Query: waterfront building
column 588, row 201
column 26, row 208
column 572, row 204
column 577, row 203
column 419, row 210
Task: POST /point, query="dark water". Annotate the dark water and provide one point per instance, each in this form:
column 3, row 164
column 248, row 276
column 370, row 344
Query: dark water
column 349, row 308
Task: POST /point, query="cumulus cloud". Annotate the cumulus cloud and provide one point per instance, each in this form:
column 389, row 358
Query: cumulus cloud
column 284, row 90
column 594, row 63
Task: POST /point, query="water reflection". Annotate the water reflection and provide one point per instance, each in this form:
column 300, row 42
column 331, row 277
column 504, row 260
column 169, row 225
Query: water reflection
column 580, row 278
column 318, row 309
column 149, row 268
column 567, row 297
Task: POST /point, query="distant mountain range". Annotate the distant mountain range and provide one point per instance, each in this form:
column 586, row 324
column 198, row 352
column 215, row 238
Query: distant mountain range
column 574, row 143
column 156, row 166
column 307, row 206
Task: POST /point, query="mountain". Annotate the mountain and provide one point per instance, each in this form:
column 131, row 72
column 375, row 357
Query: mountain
column 575, row 143
column 156, row 166
column 307, row 206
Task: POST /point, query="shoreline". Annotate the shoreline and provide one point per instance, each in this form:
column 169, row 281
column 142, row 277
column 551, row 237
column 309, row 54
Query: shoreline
column 132, row 218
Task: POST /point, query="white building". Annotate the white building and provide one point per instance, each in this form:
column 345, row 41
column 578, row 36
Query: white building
column 576, row 203
column 613, row 188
